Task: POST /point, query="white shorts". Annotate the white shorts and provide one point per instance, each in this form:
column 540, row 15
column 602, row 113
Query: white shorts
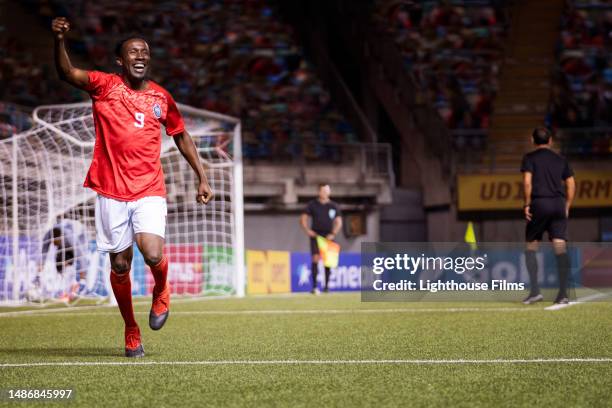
column 118, row 221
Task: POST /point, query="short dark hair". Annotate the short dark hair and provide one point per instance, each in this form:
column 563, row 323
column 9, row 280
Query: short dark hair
column 57, row 232
column 120, row 43
column 541, row 135
column 322, row 184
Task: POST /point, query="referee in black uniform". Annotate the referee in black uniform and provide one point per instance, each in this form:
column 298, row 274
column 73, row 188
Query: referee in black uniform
column 326, row 221
column 549, row 188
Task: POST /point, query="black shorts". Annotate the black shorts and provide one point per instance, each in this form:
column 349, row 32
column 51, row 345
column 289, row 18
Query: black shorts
column 547, row 215
column 314, row 247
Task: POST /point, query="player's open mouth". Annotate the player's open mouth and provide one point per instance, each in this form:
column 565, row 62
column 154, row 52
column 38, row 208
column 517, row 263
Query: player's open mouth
column 139, row 68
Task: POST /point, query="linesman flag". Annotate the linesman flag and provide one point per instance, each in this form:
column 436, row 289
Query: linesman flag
column 329, row 250
column 470, row 236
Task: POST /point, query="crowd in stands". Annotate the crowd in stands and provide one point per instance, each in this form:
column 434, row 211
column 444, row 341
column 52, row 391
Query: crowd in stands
column 453, row 49
column 28, row 81
column 582, row 87
column 227, row 56
column 13, row 119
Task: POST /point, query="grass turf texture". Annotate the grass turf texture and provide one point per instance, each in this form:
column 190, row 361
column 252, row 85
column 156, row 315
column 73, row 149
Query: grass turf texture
column 489, row 331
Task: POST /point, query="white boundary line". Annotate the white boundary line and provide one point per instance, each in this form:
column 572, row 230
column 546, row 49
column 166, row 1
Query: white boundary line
column 63, row 312
column 66, row 311
column 561, row 306
column 146, row 300
column 60, row 310
column 578, row 301
column 306, row 362
column 137, row 301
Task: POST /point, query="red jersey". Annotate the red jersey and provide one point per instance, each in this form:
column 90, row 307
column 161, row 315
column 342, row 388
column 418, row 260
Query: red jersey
column 126, row 162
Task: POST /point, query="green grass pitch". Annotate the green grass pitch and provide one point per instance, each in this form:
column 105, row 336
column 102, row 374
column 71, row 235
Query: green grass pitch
column 329, row 350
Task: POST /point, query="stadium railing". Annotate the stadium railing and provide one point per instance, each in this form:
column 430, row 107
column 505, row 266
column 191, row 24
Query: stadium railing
column 310, row 161
column 475, row 152
column 586, row 141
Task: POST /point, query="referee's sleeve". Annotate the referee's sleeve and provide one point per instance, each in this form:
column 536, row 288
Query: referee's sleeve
column 526, row 165
column 308, row 209
column 567, row 171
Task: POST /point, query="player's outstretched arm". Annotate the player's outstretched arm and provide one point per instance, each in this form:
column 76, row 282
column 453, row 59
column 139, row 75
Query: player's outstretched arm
column 188, row 149
column 74, row 76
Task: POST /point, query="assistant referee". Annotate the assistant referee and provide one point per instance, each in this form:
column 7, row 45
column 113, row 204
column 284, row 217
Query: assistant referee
column 549, row 188
column 326, row 221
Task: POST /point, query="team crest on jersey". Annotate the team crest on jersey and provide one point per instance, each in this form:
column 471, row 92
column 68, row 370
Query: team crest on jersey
column 157, row 110
column 332, row 213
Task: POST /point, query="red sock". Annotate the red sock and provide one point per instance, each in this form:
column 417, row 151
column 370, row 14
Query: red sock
column 160, row 274
column 122, row 288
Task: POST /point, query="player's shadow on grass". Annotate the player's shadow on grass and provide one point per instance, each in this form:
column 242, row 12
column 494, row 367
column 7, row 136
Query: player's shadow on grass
column 61, row 352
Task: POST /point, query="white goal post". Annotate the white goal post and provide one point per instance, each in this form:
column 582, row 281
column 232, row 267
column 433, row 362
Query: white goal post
column 47, row 233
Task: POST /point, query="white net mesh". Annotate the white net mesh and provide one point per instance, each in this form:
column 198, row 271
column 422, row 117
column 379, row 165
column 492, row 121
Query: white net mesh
column 47, row 233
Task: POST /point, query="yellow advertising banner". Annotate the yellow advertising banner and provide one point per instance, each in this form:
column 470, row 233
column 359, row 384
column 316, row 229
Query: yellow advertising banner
column 268, row 272
column 279, row 266
column 257, row 272
column 484, row 192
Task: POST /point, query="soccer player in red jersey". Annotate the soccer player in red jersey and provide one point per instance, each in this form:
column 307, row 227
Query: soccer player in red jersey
column 126, row 170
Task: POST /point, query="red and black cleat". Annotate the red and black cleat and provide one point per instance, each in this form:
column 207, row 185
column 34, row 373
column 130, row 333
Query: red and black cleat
column 160, row 308
column 133, row 343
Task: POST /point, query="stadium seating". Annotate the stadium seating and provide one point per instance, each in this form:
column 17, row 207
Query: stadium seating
column 227, row 56
column 582, row 94
column 25, row 80
column 13, row 119
column 454, row 51
column 581, row 97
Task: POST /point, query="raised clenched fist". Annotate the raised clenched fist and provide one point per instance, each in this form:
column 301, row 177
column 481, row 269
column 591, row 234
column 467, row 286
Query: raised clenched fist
column 60, row 26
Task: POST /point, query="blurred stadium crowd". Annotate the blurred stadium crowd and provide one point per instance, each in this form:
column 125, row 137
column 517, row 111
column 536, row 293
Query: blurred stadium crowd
column 27, row 81
column 13, row 119
column 581, row 95
column 238, row 57
column 454, row 51
column 233, row 57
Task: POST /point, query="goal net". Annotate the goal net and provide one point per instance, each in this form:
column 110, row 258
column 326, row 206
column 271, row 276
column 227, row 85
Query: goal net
column 47, row 233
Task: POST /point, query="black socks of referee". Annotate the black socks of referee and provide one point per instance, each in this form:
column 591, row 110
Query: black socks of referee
column 532, row 268
column 315, row 272
column 563, row 266
column 314, row 267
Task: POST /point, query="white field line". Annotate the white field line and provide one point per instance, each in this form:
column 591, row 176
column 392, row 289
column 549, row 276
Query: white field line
column 306, row 362
column 78, row 309
column 146, row 300
column 60, row 310
column 578, row 301
column 63, row 312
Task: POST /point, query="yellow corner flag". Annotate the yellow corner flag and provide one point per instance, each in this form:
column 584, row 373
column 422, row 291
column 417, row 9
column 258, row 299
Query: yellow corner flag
column 330, row 252
column 470, row 236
